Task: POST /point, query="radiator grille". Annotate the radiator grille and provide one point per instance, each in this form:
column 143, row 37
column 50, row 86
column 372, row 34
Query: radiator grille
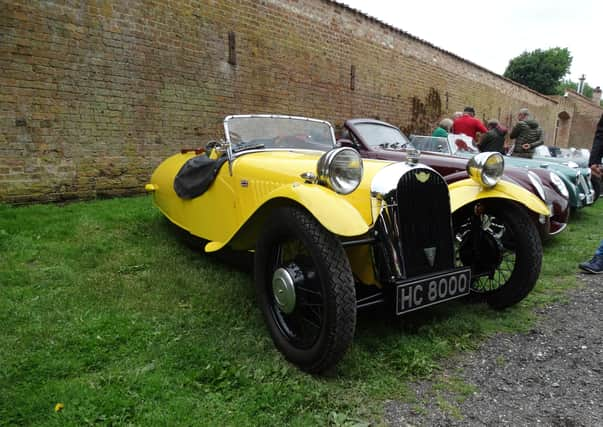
column 425, row 223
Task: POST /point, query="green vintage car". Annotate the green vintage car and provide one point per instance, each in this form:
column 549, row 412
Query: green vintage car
column 574, row 158
column 576, row 179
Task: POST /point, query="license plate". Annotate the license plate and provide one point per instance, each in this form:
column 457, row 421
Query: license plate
column 426, row 291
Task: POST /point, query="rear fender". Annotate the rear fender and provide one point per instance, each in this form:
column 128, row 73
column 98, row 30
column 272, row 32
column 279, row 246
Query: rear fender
column 467, row 191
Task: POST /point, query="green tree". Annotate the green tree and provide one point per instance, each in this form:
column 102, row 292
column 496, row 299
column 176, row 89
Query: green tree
column 587, row 91
column 541, row 70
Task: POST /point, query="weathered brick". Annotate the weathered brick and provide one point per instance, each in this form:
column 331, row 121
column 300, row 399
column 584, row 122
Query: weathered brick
column 106, row 90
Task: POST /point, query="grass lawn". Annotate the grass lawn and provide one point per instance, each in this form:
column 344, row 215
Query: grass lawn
column 104, row 310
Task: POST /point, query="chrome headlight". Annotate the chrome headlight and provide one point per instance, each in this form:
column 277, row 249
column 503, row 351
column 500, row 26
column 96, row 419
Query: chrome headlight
column 559, row 185
column 486, row 168
column 340, row 169
column 537, row 184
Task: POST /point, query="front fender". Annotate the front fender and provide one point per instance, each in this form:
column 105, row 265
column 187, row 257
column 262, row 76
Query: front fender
column 466, row 191
column 574, row 198
column 335, row 213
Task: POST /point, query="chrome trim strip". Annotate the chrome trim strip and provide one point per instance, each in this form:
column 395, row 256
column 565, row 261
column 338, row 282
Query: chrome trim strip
column 386, row 180
column 384, row 187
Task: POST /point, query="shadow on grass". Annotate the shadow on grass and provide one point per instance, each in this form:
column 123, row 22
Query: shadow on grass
column 410, row 345
column 241, row 261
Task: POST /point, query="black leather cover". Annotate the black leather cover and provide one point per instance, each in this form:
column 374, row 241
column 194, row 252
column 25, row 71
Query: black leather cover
column 196, row 176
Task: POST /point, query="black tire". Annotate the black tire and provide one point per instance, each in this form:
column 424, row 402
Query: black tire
column 506, row 258
column 320, row 328
column 596, row 183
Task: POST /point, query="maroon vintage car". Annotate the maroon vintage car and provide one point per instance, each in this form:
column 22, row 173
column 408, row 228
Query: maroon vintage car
column 380, row 140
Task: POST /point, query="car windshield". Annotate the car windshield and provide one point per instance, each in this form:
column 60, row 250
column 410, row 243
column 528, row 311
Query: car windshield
column 377, row 135
column 542, row 151
column 578, row 155
column 430, row 143
column 256, row 132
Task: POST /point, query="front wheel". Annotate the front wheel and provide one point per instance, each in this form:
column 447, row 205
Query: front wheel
column 500, row 243
column 305, row 289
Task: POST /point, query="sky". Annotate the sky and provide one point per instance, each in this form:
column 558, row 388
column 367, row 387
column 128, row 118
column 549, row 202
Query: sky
column 491, row 33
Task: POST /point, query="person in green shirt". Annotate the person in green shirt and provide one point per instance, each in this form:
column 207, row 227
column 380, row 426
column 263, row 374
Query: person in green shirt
column 443, row 128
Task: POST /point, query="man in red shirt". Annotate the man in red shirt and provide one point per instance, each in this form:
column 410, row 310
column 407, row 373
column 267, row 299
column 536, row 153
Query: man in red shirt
column 468, row 124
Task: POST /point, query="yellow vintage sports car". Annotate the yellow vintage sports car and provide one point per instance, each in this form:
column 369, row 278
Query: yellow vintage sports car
column 333, row 233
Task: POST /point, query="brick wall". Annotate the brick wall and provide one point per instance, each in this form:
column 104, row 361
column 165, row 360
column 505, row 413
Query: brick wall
column 584, row 123
column 94, row 94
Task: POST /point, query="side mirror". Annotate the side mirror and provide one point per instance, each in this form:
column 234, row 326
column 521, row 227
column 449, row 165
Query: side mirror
column 344, row 142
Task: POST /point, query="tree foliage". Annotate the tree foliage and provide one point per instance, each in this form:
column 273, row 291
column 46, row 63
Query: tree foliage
column 587, row 91
column 541, row 70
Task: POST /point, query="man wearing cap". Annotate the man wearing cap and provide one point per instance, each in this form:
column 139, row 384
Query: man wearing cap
column 468, row 124
column 494, row 139
column 527, row 134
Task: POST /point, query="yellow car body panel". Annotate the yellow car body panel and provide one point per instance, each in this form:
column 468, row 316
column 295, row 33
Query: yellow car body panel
column 362, row 265
column 270, row 188
column 232, row 199
column 467, row 190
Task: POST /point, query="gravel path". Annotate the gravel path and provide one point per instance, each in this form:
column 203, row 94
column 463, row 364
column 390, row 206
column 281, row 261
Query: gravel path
column 551, row 376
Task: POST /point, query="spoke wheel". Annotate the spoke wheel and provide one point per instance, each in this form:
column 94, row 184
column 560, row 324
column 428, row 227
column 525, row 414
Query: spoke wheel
column 298, row 307
column 305, row 289
column 503, row 249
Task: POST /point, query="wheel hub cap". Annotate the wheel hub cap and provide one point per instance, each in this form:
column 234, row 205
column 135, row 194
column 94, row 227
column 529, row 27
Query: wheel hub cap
column 283, row 288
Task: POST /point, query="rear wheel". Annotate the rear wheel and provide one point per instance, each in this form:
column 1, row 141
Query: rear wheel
column 501, row 244
column 305, row 290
